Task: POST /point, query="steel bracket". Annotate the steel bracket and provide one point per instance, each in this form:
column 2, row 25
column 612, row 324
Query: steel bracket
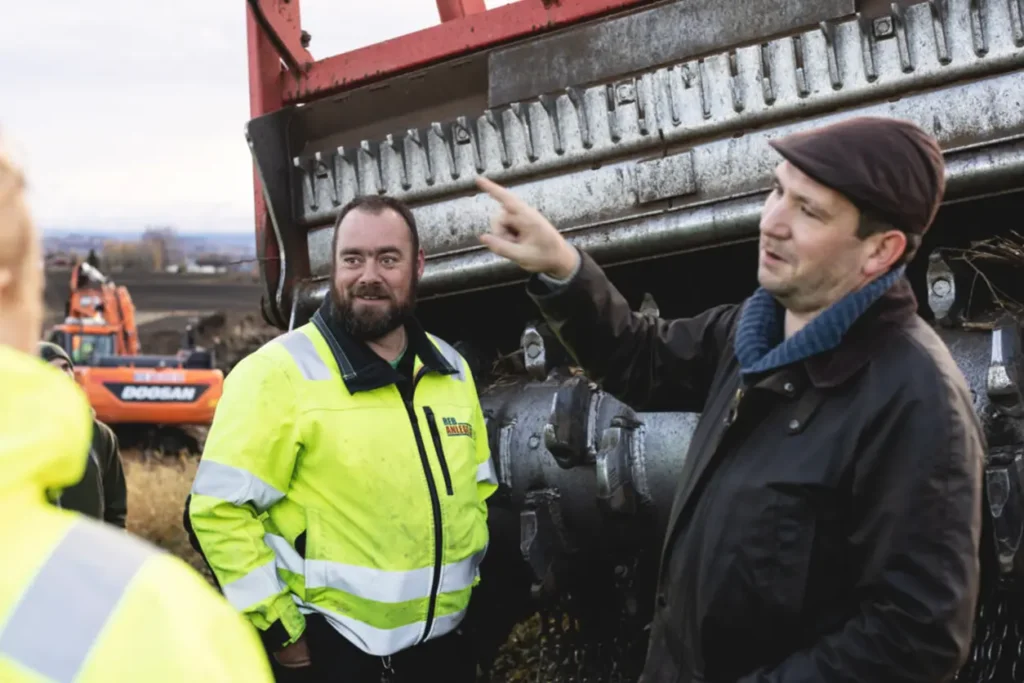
column 565, row 434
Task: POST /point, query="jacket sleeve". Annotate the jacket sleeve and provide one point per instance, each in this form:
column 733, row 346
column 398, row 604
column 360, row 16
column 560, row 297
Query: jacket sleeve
column 649, row 364
column 915, row 538
column 486, row 473
column 246, row 468
column 115, row 493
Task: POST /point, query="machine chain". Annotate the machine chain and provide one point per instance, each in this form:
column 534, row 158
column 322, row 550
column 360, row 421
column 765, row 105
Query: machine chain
column 997, row 653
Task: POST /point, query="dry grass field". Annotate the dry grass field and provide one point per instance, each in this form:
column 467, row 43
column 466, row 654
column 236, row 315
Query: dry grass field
column 157, row 488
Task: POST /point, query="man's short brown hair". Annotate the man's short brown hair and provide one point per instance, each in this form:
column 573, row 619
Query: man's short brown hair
column 376, row 205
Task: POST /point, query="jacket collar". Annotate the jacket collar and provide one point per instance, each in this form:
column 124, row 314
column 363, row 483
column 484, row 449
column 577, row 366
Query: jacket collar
column 895, row 308
column 361, row 368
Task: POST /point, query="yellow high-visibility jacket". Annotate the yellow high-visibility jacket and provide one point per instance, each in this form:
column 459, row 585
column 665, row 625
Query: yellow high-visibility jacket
column 80, row 600
column 322, row 490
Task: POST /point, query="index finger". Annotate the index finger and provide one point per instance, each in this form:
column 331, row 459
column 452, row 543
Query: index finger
column 502, row 195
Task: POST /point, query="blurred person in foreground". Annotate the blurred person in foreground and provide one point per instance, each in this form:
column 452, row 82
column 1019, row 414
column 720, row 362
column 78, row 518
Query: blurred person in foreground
column 80, row 601
column 827, row 521
column 101, row 493
column 341, row 497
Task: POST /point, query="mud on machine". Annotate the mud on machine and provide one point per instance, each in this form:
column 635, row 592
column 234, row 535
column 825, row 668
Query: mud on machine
column 655, row 160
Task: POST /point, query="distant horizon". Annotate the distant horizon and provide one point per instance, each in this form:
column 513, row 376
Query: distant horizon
column 234, row 235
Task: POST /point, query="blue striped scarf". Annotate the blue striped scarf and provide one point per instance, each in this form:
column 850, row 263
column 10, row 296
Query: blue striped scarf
column 760, row 345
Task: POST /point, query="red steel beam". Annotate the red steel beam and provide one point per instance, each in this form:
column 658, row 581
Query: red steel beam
column 458, row 36
column 281, row 20
column 456, row 9
column 265, row 95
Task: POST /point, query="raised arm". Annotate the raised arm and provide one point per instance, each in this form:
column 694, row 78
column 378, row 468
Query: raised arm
column 649, row 364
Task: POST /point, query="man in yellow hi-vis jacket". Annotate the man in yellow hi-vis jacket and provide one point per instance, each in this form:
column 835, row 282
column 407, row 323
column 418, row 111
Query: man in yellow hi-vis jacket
column 81, row 600
column 341, row 498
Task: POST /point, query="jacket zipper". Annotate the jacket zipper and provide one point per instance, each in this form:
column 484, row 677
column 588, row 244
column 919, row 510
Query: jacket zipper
column 435, row 502
column 436, row 436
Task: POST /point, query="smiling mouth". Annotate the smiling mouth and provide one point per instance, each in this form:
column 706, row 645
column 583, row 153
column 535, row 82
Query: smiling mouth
column 773, row 256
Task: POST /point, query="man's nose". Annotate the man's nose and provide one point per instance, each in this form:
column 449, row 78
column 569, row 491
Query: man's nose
column 775, row 220
column 370, row 272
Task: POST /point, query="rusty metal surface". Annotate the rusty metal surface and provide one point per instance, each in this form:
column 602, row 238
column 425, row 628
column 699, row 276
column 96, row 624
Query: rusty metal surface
column 658, row 234
column 456, row 37
column 816, row 71
column 726, row 93
column 645, row 39
column 585, row 201
column 714, row 102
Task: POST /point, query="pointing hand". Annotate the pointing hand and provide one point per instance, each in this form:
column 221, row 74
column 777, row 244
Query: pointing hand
column 522, row 235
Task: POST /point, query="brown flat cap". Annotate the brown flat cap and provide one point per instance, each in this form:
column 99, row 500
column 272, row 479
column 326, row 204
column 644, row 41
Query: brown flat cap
column 887, row 167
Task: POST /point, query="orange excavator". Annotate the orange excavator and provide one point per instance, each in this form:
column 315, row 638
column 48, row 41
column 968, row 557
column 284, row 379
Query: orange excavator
column 149, row 400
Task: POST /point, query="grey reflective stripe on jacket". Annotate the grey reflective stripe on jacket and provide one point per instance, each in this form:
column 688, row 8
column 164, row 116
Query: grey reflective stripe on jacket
column 56, row 622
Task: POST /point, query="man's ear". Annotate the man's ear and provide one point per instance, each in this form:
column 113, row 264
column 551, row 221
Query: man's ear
column 885, row 250
column 6, row 281
column 421, row 263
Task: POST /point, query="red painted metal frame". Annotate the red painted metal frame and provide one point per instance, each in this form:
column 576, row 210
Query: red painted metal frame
column 274, row 34
column 281, row 20
column 456, row 9
column 265, row 95
column 458, row 36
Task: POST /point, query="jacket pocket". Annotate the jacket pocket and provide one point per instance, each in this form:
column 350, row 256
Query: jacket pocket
column 786, row 534
column 435, row 435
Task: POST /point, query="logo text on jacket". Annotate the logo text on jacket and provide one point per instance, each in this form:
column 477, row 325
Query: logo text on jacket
column 455, row 428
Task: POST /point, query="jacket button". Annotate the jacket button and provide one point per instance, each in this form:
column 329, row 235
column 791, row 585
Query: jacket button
column 794, row 425
column 788, row 387
column 662, row 601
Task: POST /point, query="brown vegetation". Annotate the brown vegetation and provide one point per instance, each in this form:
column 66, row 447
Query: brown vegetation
column 157, row 488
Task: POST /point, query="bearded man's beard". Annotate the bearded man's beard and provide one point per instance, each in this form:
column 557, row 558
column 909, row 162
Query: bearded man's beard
column 372, row 322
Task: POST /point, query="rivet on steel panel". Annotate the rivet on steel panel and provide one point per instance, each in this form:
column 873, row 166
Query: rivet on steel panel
column 403, row 167
column 521, row 112
column 735, row 85
column 828, row 31
column 325, row 171
column 979, row 13
column 613, row 114
column 767, row 88
column 443, row 131
column 867, row 47
column 310, row 182
column 550, row 105
column 467, row 133
column 414, row 140
column 899, row 22
column 370, row 153
column 675, row 83
column 641, row 105
column 801, row 76
column 497, row 121
column 1017, row 21
column 704, row 83
column 346, row 160
column 580, row 105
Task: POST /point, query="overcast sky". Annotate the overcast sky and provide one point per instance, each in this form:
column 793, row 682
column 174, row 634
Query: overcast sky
column 126, row 113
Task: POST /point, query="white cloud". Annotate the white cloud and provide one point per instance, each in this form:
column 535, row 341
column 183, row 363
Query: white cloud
column 130, row 112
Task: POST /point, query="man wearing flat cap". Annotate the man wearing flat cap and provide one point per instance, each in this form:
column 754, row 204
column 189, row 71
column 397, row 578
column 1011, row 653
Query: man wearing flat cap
column 101, row 493
column 826, row 524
